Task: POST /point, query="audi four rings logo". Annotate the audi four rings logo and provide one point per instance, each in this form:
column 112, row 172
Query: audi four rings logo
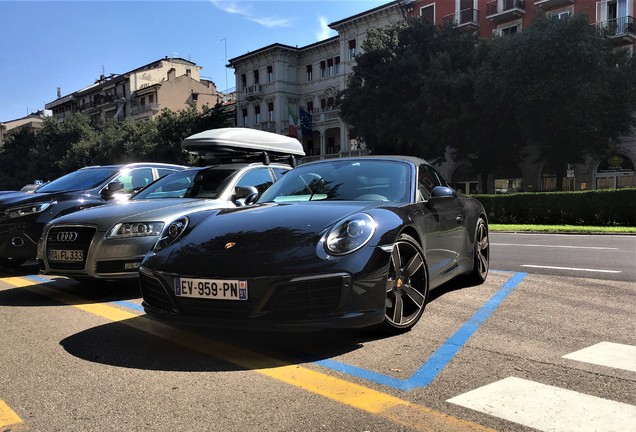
column 66, row 236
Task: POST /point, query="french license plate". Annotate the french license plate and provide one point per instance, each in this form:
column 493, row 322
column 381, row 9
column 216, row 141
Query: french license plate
column 64, row 255
column 211, row 288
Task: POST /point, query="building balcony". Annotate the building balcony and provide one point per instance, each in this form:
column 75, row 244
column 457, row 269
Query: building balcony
column 253, row 92
column 350, row 153
column 620, row 31
column 467, row 18
column 499, row 11
column 268, row 126
column 106, row 99
column 550, row 4
column 143, row 109
column 326, row 114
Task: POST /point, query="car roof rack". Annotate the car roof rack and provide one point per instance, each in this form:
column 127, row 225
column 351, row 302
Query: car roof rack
column 225, row 145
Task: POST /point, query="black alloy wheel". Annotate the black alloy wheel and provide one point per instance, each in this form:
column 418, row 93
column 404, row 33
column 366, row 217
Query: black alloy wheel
column 481, row 253
column 406, row 285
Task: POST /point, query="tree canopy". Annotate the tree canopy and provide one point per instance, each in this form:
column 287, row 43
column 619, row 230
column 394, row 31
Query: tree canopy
column 557, row 91
column 568, row 92
column 405, row 94
column 64, row 146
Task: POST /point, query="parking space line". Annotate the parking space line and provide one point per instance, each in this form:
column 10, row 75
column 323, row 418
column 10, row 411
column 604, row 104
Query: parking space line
column 554, row 246
column 444, row 354
column 9, row 420
column 548, row 408
column 392, row 408
column 571, row 268
column 608, row 354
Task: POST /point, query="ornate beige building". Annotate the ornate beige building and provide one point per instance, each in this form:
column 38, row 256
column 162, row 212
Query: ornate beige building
column 278, row 79
column 141, row 93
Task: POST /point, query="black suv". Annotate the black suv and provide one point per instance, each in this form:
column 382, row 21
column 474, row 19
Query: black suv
column 23, row 215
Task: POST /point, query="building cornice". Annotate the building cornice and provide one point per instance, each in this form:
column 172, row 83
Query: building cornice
column 365, row 15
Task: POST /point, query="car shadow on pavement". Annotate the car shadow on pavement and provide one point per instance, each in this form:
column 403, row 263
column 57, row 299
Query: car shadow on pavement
column 28, row 268
column 143, row 343
column 35, row 294
column 458, row 283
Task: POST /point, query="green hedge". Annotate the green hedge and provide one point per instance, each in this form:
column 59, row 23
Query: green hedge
column 616, row 207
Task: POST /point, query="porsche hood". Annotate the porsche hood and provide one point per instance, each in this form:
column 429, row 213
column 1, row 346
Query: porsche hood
column 266, row 227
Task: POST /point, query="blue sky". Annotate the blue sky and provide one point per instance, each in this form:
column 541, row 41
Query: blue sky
column 69, row 44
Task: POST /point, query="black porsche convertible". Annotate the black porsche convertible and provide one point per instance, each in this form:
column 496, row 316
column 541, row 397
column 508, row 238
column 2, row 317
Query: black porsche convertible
column 338, row 243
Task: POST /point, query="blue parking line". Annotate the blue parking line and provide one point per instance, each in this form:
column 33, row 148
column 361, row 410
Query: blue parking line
column 129, row 305
column 38, row 278
column 440, row 358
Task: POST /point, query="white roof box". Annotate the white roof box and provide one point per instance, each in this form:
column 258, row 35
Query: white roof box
column 231, row 141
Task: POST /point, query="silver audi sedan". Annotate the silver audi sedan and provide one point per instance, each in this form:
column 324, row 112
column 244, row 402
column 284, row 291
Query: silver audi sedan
column 110, row 241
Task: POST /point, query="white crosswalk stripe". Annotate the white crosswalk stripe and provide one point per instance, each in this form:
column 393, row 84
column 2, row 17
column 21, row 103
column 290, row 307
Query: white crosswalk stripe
column 548, row 408
column 607, row 354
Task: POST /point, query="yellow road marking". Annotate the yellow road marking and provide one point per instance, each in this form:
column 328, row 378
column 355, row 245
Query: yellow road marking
column 366, row 399
column 9, row 420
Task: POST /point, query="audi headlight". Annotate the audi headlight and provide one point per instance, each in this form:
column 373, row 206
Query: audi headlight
column 350, row 234
column 136, row 229
column 171, row 233
column 25, row 210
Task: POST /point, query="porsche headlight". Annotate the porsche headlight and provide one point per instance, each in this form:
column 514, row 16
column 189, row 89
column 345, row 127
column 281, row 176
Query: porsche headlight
column 135, row 229
column 28, row 209
column 350, row 234
column 171, row 233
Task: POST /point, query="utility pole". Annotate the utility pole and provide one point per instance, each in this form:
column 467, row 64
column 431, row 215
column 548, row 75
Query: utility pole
column 224, row 40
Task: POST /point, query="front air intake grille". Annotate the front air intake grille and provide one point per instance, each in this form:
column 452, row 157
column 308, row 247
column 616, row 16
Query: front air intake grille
column 154, row 294
column 307, row 298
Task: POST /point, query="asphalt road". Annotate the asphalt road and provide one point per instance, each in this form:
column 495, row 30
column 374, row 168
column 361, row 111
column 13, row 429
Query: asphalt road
column 522, row 352
column 596, row 256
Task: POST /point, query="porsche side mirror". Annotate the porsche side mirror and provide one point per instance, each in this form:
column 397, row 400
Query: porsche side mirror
column 442, row 192
column 245, row 195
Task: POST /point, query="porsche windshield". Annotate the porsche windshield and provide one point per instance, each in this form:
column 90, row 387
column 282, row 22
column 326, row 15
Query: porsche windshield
column 79, row 180
column 369, row 180
column 209, row 183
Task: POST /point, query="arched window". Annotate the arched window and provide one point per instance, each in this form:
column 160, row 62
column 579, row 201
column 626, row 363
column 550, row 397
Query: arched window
column 615, row 172
column 508, row 179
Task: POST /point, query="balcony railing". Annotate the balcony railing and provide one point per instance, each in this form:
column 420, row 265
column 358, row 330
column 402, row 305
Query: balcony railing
column 548, row 4
column 499, row 11
column 253, row 92
column 269, row 126
column 328, row 113
column 350, row 153
column 99, row 100
column 139, row 109
column 621, row 29
column 464, row 18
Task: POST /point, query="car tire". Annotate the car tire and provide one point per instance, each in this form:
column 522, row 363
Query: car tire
column 481, row 254
column 406, row 285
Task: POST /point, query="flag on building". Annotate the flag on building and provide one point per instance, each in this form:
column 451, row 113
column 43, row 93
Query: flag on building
column 293, row 122
column 305, row 122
